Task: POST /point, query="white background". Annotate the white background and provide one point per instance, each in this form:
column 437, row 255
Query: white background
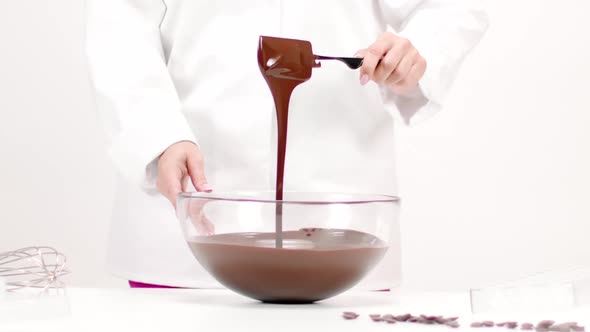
column 494, row 187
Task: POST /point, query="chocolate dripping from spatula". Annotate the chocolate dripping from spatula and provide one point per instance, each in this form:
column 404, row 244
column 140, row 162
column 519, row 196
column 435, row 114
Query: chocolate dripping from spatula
column 286, row 63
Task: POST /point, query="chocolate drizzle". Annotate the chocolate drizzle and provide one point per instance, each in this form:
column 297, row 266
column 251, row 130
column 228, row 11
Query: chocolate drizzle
column 284, row 63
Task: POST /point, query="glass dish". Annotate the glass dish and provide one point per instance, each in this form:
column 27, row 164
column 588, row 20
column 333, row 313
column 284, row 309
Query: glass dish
column 324, row 243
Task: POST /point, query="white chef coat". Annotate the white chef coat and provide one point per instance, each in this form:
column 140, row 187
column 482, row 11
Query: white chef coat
column 171, row 70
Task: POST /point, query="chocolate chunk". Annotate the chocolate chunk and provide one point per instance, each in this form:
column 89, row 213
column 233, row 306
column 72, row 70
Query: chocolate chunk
column 545, row 323
column 403, row 318
column 487, row 323
column 441, row 320
column 423, row 320
column 527, row 326
column 476, row 324
column 349, row 315
column 376, row 317
column 511, row 325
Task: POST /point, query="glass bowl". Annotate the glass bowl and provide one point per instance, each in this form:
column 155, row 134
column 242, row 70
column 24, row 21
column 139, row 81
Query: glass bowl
column 302, row 249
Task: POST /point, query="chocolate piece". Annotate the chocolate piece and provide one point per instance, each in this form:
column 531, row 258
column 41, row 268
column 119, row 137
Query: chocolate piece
column 376, row 317
column 527, row 326
column 422, row 320
column 403, row 318
column 487, row 323
column 350, row 315
column 545, row 323
column 476, row 324
column 511, row 325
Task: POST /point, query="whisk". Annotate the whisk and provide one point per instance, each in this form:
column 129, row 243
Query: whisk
column 33, row 267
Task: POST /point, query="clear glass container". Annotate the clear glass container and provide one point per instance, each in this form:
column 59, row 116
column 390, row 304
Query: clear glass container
column 547, row 291
column 304, row 248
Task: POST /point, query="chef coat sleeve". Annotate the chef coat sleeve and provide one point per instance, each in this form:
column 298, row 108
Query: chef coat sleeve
column 444, row 32
column 135, row 95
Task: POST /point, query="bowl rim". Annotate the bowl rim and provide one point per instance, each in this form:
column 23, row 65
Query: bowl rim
column 245, row 196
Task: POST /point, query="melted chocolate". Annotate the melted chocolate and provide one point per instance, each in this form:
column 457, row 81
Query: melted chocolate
column 308, row 269
column 284, row 63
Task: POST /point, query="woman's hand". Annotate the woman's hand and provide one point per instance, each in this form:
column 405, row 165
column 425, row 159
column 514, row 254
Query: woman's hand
column 181, row 161
column 394, row 62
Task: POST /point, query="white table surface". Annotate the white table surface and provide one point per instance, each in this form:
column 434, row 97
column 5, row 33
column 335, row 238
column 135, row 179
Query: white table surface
column 92, row 309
